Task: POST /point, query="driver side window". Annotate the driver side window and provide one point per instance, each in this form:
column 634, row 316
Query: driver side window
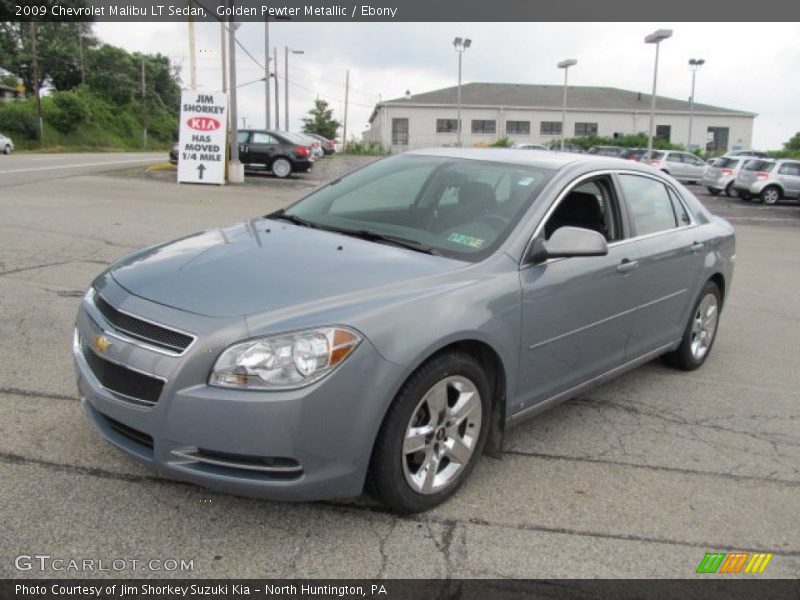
column 589, row 205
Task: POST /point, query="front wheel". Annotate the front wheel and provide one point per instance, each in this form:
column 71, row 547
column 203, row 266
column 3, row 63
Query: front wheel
column 770, row 195
column 701, row 331
column 7, row 149
column 730, row 191
column 432, row 435
column 281, row 168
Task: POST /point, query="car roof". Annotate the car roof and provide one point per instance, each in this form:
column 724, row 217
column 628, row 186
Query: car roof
column 546, row 159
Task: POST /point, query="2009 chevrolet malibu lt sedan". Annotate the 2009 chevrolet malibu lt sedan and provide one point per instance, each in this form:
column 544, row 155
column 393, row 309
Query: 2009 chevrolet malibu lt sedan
column 388, row 328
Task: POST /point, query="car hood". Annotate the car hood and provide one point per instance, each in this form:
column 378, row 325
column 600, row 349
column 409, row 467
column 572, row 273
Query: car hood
column 265, row 265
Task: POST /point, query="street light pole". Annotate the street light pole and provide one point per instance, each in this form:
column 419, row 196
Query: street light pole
column 656, row 38
column 235, row 169
column 565, row 64
column 286, row 83
column 460, row 46
column 694, row 66
column 266, row 75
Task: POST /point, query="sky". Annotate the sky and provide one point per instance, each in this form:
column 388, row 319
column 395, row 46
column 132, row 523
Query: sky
column 749, row 66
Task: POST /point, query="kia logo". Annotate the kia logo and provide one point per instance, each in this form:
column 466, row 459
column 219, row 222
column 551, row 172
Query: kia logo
column 203, row 123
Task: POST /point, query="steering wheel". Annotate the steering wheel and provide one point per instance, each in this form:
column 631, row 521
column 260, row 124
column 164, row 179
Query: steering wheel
column 495, row 221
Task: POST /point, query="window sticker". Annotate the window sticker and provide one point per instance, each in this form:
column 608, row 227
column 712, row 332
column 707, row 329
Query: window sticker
column 466, row 240
column 525, row 181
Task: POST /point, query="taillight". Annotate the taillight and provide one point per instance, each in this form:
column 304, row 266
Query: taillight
column 727, row 171
column 655, row 163
column 301, row 150
column 762, row 176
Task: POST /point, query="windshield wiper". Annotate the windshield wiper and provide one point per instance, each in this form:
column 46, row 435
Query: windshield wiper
column 281, row 215
column 374, row 236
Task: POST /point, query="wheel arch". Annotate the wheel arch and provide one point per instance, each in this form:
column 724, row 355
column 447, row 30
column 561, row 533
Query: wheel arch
column 719, row 279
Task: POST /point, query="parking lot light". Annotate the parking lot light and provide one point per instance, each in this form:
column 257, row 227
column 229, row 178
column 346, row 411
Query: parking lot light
column 460, row 46
column 656, row 38
column 694, row 67
column 565, row 64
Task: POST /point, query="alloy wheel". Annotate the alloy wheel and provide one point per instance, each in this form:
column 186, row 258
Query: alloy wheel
column 442, row 434
column 704, row 326
column 281, row 168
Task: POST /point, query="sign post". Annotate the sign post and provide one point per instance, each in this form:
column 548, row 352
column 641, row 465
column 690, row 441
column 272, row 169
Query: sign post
column 202, row 141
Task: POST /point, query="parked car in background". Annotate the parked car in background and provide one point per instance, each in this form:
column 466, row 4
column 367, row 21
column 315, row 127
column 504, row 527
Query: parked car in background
column 722, row 173
column 769, row 180
column 683, row 166
column 753, row 153
column 300, row 354
column 173, row 153
column 6, row 144
column 613, row 151
column 328, row 146
column 314, row 145
column 277, row 151
column 530, row 147
column 633, row 153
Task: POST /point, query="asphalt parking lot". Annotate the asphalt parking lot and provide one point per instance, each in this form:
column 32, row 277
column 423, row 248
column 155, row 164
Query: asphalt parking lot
column 638, row 478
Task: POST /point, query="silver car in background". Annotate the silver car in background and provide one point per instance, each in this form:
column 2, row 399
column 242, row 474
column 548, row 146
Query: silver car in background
column 6, row 144
column 769, row 180
column 683, row 166
column 721, row 174
column 390, row 326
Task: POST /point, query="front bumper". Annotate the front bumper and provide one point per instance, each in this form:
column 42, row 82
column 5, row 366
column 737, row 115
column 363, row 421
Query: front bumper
column 307, row 444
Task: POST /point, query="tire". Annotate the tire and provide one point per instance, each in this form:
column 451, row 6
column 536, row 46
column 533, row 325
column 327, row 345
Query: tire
column 700, row 333
column 281, row 167
column 770, row 195
column 399, row 473
column 730, row 191
column 7, row 149
column 713, row 192
column 745, row 195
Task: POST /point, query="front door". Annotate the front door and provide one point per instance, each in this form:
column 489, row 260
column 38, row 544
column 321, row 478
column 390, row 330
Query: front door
column 262, row 148
column 789, row 176
column 577, row 312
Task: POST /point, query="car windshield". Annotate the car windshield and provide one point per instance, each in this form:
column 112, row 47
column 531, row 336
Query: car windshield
column 458, row 208
column 759, row 165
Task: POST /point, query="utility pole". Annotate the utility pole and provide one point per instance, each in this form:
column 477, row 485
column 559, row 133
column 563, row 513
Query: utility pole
column 223, row 53
column 266, row 75
column 277, row 88
column 144, row 107
column 36, row 82
column 235, row 169
column 192, row 63
column 346, row 98
column 83, row 64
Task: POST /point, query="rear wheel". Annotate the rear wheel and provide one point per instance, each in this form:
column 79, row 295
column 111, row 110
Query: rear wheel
column 432, row 435
column 701, row 331
column 713, row 192
column 730, row 191
column 770, row 195
column 281, row 167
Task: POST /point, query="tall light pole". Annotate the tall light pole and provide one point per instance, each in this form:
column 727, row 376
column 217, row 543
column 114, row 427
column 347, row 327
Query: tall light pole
column 235, row 168
column 266, row 75
column 656, row 38
column 287, row 50
column 460, row 46
column 565, row 64
column 694, row 67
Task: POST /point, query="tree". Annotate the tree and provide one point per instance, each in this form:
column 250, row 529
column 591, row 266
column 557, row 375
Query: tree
column 321, row 121
column 793, row 143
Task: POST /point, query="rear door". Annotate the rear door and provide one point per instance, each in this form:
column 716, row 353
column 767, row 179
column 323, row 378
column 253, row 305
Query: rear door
column 671, row 257
column 789, row 177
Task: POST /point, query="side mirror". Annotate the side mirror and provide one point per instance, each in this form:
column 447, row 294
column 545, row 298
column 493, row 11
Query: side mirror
column 569, row 241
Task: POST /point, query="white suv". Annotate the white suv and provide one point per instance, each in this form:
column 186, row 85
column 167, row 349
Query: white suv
column 683, row 166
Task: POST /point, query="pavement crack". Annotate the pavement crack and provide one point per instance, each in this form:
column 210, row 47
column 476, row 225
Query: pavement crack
column 60, row 263
column 10, row 391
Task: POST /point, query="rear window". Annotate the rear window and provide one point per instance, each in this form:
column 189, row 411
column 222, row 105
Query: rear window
column 656, row 155
column 759, row 165
column 726, row 163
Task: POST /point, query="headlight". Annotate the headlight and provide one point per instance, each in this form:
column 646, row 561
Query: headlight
column 284, row 361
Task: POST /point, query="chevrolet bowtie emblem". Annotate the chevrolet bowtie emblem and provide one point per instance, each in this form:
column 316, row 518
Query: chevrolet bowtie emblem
column 101, row 343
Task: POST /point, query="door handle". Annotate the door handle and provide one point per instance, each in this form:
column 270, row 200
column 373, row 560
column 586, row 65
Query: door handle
column 697, row 247
column 626, row 266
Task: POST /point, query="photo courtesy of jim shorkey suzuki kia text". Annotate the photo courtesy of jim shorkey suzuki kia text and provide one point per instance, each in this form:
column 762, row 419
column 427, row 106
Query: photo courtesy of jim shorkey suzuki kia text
column 372, row 590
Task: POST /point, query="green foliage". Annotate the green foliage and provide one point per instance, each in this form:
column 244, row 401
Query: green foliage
column 18, row 120
column 784, row 153
column 321, row 121
column 638, row 140
column 503, row 142
column 793, row 143
column 65, row 111
column 365, row 148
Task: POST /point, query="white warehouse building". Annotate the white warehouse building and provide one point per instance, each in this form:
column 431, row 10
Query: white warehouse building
column 532, row 114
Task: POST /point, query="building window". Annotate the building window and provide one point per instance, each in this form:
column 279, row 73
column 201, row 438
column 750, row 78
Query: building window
column 717, row 139
column 518, row 127
column 479, row 126
column 550, row 128
column 446, row 125
column 585, row 129
column 663, row 132
column 400, row 132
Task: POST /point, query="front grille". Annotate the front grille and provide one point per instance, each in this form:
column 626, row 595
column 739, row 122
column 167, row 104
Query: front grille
column 122, row 380
column 143, row 330
column 129, row 432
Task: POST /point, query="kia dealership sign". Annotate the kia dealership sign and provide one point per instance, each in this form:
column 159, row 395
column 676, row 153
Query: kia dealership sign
column 201, row 147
